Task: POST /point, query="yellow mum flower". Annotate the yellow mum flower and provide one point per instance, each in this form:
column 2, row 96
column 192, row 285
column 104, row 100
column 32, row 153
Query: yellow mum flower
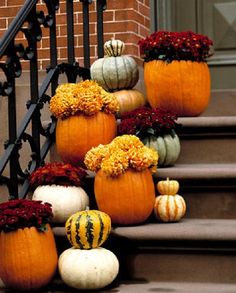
column 86, row 97
column 126, row 151
column 110, row 103
column 95, row 156
column 126, row 142
column 141, row 159
column 116, row 164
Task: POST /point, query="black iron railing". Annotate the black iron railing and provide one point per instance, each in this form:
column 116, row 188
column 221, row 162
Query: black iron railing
column 29, row 21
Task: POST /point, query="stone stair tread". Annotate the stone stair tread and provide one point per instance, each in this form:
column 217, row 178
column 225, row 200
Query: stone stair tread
column 198, row 171
column 137, row 286
column 143, row 286
column 175, row 287
column 186, row 229
column 208, row 121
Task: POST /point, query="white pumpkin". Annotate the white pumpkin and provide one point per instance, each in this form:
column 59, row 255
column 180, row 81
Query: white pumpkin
column 65, row 200
column 88, row 269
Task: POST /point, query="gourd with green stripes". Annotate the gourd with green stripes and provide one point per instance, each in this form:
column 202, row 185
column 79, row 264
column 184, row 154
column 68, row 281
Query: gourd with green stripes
column 167, row 146
column 88, row 229
column 115, row 71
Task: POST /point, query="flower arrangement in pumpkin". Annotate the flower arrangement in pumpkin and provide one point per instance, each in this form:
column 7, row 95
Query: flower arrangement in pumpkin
column 60, row 184
column 124, row 152
column 146, row 121
column 156, row 128
column 58, row 173
column 165, row 45
column 85, row 97
column 22, row 213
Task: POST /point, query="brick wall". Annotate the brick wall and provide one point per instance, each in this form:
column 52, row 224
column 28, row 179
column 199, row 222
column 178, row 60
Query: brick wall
column 127, row 20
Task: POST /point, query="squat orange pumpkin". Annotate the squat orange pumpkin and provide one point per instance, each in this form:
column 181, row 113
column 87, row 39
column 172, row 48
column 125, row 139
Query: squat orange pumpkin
column 180, row 86
column 128, row 199
column 28, row 258
column 77, row 134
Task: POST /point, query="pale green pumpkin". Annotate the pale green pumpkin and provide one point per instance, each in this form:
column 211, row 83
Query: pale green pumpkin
column 115, row 71
column 167, row 146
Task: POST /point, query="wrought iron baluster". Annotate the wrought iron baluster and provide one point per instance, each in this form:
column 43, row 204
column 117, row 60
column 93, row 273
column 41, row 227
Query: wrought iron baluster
column 101, row 6
column 86, row 41
column 29, row 22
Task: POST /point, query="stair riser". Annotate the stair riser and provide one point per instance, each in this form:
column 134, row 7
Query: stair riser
column 181, row 267
column 210, row 204
column 204, row 150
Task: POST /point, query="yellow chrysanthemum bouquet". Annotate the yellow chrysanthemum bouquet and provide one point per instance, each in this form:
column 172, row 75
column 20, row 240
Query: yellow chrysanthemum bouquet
column 85, row 115
column 123, row 185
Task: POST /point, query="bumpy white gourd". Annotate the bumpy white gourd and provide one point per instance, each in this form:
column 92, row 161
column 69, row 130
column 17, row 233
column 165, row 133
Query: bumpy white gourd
column 88, row 269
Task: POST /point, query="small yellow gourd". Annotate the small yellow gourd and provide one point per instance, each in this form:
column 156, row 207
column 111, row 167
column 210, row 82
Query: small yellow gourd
column 168, row 186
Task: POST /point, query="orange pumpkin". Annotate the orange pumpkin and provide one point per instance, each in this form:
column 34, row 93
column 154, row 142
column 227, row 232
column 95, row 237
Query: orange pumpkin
column 28, row 258
column 129, row 100
column 128, row 199
column 180, row 86
column 77, row 134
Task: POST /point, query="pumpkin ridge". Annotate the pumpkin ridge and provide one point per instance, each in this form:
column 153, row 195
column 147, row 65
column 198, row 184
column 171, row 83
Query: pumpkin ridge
column 89, row 231
column 77, row 234
column 103, row 77
column 167, row 207
column 117, row 74
column 128, row 68
column 101, row 232
column 68, row 229
column 176, row 212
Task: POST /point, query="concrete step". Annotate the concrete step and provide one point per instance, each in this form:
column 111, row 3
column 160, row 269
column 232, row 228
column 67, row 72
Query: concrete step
column 208, row 189
column 222, row 103
column 207, row 140
column 143, row 286
column 192, row 250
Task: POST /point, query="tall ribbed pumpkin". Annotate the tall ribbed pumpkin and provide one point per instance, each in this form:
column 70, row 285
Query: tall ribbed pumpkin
column 180, row 86
column 77, row 134
column 128, row 198
column 28, row 258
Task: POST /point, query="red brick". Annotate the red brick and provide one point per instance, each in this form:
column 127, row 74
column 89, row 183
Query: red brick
column 15, row 2
column 9, row 11
column 114, row 4
column 121, row 26
column 128, row 38
column 3, row 23
column 143, row 9
column 129, row 15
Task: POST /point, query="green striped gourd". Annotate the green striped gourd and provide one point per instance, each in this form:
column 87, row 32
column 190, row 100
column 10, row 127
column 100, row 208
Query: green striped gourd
column 167, row 146
column 88, row 229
